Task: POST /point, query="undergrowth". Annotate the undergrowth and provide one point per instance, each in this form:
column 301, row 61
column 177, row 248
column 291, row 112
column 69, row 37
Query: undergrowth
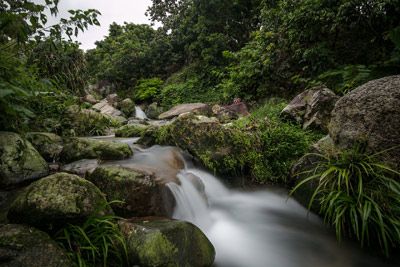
column 359, row 196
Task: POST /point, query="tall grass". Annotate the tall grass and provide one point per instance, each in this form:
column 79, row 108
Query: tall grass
column 98, row 242
column 359, row 196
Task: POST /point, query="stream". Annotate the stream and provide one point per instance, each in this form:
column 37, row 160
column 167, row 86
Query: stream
column 263, row 228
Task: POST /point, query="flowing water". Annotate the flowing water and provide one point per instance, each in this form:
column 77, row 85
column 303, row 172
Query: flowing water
column 139, row 113
column 262, row 228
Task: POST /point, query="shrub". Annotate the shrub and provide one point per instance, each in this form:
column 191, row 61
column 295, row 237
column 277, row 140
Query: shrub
column 359, row 196
column 148, row 89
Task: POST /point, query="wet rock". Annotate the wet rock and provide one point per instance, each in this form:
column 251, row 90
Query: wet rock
column 163, row 242
column 153, row 111
column 81, row 167
column 311, row 108
column 49, row 145
column 130, row 130
column 19, row 161
column 197, row 108
column 149, row 136
column 139, row 191
column 24, row 246
column 127, row 106
column 370, row 115
column 226, row 150
column 86, row 148
column 56, row 200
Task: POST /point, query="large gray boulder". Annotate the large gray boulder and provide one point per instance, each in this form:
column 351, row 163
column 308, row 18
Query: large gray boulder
column 56, row 200
column 163, row 242
column 24, row 246
column 19, row 161
column 139, row 191
column 370, row 115
column 311, row 108
column 87, row 148
column 198, row 108
column 49, row 145
column 107, row 109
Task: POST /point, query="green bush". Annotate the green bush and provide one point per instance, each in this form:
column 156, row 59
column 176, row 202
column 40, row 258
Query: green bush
column 359, row 196
column 148, row 89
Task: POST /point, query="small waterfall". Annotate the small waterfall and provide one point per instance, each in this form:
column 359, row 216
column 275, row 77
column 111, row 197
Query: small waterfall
column 262, row 228
column 259, row 229
column 140, row 113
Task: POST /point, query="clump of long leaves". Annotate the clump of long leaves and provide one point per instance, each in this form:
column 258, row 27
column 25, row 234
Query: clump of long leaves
column 98, row 242
column 359, row 196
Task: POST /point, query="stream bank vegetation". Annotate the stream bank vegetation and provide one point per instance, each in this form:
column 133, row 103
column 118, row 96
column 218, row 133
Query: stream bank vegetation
column 358, row 195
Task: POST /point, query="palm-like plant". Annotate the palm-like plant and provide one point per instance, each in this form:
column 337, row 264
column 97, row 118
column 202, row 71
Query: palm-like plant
column 358, row 195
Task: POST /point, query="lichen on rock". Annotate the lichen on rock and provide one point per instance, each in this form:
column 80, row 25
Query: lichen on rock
column 19, row 161
column 86, row 148
column 56, row 200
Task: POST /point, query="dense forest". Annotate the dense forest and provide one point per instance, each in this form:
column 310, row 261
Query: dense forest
column 217, row 52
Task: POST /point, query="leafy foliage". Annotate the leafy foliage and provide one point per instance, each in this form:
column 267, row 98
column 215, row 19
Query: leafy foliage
column 148, row 89
column 359, row 196
column 98, row 242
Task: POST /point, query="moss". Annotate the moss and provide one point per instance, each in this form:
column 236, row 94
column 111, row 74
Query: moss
column 49, row 145
column 169, row 243
column 26, row 246
column 19, row 160
column 56, row 200
column 139, row 192
column 86, row 148
column 131, row 130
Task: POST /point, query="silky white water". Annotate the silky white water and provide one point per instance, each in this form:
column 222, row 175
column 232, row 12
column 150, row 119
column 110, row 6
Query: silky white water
column 139, row 113
column 259, row 229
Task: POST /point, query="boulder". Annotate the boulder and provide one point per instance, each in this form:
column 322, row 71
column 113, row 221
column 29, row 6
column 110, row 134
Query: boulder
column 153, row 111
column 139, row 191
column 19, row 161
column 112, row 99
column 49, row 145
column 56, row 200
column 311, row 108
column 223, row 114
column 81, row 167
column 89, row 122
column 197, row 108
column 227, row 150
column 90, row 99
column 106, row 108
column 370, row 115
column 239, row 108
column 131, row 130
column 149, row 136
column 87, row 148
column 127, row 106
column 163, row 242
column 24, row 246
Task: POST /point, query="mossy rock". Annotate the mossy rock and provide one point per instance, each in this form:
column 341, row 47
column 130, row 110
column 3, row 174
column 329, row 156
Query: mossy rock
column 229, row 151
column 24, row 246
column 89, row 122
column 140, row 194
column 86, row 148
column 131, row 130
column 56, row 200
column 154, row 110
column 149, row 136
column 19, row 161
column 164, row 242
column 49, row 145
column 127, row 106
